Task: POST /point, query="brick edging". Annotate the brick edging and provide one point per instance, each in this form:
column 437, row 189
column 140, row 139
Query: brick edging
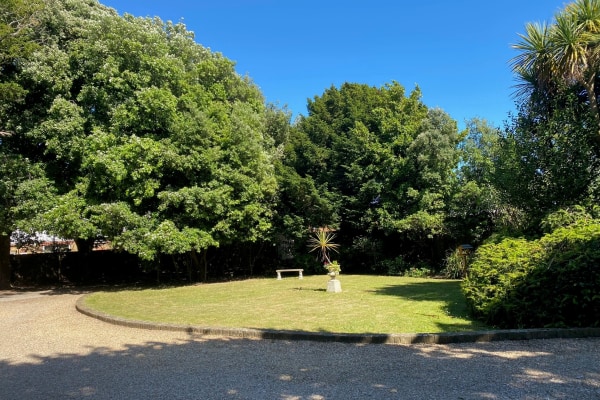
column 401, row 338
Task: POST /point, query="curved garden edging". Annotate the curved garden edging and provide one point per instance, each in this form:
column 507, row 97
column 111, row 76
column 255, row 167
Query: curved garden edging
column 400, row 338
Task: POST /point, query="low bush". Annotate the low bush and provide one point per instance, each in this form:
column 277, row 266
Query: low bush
column 393, row 267
column 455, row 264
column 418, row 272
column 550, row 282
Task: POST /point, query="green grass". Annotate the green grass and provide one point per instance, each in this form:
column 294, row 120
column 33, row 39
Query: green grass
column 368, row 304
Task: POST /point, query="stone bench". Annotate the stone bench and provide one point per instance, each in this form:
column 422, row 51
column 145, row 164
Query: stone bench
column 279, row 271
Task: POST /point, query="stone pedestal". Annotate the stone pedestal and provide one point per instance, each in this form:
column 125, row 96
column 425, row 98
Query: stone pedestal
column 334, row 286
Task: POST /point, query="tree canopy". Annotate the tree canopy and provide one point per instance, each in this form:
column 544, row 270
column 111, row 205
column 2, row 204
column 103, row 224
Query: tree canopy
column 565, row 52
column 551, row 148
column 381, row 161
column 149, row 139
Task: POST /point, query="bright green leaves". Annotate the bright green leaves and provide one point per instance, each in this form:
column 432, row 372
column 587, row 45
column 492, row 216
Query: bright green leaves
column 62, row 132
column 151, row 95
column 115, row 219
column 24, row 192
column 552, row 281
column 168, row 239
column 150, row 111
column 197, row 205
column 19, row 19
column 152, row 140
column 47, row 73
column 127, row 168
column 496, row 269
column 69, row 217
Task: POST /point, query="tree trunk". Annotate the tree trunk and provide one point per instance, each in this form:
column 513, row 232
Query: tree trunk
column 5, row 262
column 85, row 246
column 202, row 268
column 204, row 274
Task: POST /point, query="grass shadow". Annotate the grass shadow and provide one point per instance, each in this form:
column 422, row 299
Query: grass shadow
column 445, row 291
column 310, row 289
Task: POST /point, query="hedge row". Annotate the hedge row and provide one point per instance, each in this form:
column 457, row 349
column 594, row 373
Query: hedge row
column 550, row 282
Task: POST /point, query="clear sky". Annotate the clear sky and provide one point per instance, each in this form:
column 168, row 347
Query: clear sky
column 457, row 52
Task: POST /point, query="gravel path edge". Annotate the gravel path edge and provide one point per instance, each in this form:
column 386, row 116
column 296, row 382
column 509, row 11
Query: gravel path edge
column 401, row 338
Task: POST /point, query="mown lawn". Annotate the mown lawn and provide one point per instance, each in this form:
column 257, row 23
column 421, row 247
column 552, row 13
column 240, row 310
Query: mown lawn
column 368, row 304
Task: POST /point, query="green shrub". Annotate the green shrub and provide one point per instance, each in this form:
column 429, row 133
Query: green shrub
column 400, row 267
column 393, row 267
column 495, row 269
column 456, row 264
column 568, row 216
column 553, row 281
column 418, row 272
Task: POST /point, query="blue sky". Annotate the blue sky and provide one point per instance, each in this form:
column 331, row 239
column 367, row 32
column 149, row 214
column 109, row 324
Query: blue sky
column 457, row 52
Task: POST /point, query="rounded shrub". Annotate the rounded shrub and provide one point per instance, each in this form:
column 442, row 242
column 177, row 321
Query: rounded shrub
column 494, row 271
column 550, row 282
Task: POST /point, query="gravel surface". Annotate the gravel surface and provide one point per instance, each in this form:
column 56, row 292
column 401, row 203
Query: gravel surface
column 50, row 351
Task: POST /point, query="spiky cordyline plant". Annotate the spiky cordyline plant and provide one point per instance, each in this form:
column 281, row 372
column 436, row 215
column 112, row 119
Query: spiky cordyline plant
column 322, row 242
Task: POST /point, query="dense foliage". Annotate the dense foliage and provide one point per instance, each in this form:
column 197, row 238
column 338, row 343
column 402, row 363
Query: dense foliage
column 18, row 26
column 551, row 149
column 563, row 53
column 383, row 165
column 541, row 166
column 552, row 281
column 148, row 139
column 547, row 160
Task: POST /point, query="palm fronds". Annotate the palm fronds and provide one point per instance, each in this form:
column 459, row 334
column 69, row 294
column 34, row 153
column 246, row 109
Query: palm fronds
column 322, row 242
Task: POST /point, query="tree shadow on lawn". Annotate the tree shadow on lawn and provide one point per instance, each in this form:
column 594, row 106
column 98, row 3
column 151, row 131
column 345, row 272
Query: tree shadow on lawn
column 310, row 289
column 447, row 292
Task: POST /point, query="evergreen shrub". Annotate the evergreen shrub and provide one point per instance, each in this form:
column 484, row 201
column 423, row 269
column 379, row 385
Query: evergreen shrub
column 393, row 267
column 550, row 282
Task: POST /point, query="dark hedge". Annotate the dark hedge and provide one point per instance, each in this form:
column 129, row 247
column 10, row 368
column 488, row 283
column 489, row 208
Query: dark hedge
column 550, row 282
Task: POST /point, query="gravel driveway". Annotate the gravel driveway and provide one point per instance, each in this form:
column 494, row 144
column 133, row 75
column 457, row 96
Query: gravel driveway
column 50, row 351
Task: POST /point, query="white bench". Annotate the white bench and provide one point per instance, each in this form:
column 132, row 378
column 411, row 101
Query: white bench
column 279, row 271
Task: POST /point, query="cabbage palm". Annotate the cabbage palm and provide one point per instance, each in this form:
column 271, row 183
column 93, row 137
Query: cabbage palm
column 567, row 51
column 322, row 242
column 533, row 65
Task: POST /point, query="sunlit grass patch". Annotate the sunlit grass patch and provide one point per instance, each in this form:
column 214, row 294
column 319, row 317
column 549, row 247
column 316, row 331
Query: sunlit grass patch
column 368, row 304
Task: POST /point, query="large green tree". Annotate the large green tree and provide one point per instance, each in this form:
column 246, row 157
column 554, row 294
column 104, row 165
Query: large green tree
column 19, row 23
column 546, row 160
column 550, row 150
column 384, row 164
column 152, row 140
column 565, row 52
column 477, row 207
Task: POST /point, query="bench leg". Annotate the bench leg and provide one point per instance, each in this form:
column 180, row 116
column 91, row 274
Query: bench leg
column 278, row 275
column 300, row 274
